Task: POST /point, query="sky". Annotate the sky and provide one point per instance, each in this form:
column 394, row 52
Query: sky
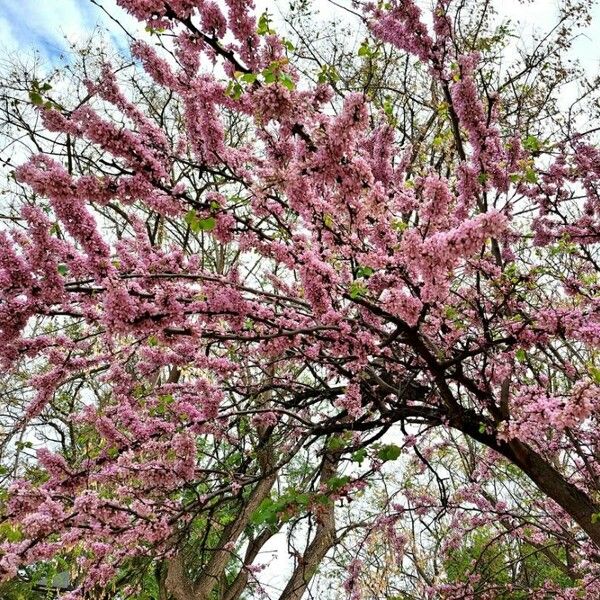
column 47, row 24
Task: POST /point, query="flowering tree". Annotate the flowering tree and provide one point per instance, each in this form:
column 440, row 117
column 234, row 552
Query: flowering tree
column 240, row 305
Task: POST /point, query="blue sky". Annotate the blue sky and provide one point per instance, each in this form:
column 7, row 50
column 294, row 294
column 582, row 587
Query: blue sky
column 48, row 25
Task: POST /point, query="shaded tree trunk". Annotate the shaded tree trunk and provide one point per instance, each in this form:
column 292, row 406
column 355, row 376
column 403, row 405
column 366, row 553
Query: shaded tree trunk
column 547, row 479
column 321, row 543
column 178, row 582
column 239, row 584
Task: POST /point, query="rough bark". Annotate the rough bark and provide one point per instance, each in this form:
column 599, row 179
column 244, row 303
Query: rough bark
column 177, row 582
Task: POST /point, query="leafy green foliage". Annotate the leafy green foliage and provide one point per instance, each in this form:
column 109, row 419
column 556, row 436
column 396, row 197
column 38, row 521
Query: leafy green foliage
column 389, row 452
column 488, row 557
column 198, row 224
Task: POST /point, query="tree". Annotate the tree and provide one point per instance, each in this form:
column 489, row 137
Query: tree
column 237, row 304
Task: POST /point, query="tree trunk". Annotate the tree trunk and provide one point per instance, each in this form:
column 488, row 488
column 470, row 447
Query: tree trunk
column 323, row 540
column 234, row 591
column 548, row 480
column 179, row 583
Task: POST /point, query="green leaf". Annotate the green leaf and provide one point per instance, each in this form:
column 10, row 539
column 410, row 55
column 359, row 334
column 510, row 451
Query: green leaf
column 531, row 176
column 207, row 224
column 265, row 513
column 594, row 373
column 191, row 218
column 438, row 141
column 196, row 224
column 36, row 98
column 234, row 90
column 511, row 271
column 248, row 77
column 269, row 76
column 389, row 452
column 357, row 289
column 287, row 81
column 364, row 272
column 112, row 452
column 10, row 533
column 337, row 482
column 154, row 30
column 328, row 74
column 399, row 225
column 263, row 24
column 521, row 355
column 336, row 443
column 364, row 49
column 164, row 402
column 532, row 143
column 302, row 499
column 359, row 456
column 322, row 499
column 450, row 312
column 62, row 269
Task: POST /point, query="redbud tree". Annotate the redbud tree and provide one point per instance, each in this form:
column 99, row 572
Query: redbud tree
column 352, row 312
